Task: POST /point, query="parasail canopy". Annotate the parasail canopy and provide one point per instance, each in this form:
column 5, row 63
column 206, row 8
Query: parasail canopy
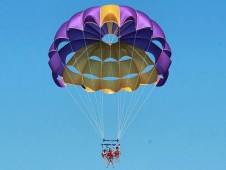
column 122, row 62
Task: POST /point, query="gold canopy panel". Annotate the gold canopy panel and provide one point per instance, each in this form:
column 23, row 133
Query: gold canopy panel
column 102, row 61
column 110, row 13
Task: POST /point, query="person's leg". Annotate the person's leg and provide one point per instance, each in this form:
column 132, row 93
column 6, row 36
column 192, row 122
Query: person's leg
column 112, row 162
column 108, row 162
column 117, row 158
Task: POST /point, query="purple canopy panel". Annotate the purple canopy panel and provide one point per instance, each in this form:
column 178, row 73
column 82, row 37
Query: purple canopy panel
column 61, row 35
column 92, row 15
column 52, row 50
column 56, row 64
column 127, row 13
column 157, row 31
column 162, row 80
column 127, row 28
column 167, row 48
column 76, row 21
column 59, row 81
column 164, row 62
column 143, row 21
column 92, row 28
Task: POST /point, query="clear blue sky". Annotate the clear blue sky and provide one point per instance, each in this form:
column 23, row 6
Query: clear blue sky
column 181, row 127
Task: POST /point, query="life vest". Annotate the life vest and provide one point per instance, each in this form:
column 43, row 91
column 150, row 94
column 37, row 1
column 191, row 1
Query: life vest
column 110, row 154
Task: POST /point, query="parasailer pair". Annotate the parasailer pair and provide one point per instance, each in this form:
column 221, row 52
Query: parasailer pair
column 109, row 48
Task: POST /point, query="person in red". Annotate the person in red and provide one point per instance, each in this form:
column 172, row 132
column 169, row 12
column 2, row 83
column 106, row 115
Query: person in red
column 110, row 157
column 117, row 153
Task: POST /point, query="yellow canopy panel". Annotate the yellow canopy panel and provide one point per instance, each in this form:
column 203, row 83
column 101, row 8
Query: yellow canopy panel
column 108, row 62
column 110, row 13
